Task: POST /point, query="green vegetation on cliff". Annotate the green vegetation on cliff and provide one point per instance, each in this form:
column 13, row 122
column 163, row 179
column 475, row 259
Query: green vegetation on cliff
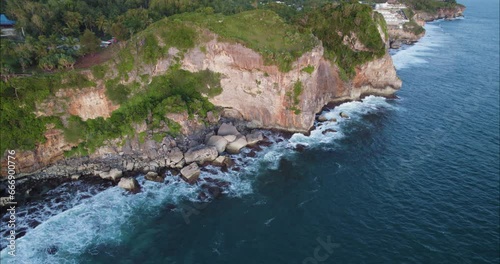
column 176, row 92
column 333, row 24
column 19, row 126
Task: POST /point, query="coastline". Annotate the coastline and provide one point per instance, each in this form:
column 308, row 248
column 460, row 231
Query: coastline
column 102, row 168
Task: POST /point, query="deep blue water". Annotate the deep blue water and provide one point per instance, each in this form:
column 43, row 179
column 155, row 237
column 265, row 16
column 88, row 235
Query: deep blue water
column 409, row 180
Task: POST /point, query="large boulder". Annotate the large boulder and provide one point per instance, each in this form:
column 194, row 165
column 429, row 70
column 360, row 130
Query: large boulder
column 201, row 154
column 235, row 146
column 227, row 129
column 218, row 142
column 129, row 184
column 254, row 138
column 113, row 174
column 153, row 176
column 191, row 173
column 230, row 138
column 219, row 161
column 173, row 157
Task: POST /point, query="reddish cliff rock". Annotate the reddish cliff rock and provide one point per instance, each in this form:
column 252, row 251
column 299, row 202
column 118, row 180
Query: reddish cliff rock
column 263, row 95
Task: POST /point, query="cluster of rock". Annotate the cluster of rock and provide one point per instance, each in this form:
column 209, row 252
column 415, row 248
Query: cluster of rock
column 227, row 140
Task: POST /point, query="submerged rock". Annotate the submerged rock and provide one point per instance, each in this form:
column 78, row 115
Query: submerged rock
column 300, row 147
column 343, row 115
column 52, row 249
column 129, row 184
column 322, row 118
column 191, row 173
column 328, row 131
column 214, row 190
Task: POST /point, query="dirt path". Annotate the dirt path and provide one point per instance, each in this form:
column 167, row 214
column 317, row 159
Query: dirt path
column 104, row 55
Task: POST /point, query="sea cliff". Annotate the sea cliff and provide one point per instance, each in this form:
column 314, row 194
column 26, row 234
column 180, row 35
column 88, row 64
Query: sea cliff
column 253, row 94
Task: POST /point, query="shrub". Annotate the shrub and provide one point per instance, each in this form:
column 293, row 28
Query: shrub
column 117, row 92
column 309, row 69
column 99, row 71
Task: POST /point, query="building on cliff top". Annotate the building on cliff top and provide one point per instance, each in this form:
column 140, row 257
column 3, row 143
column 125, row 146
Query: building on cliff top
column 7, row 26
column 393, row 14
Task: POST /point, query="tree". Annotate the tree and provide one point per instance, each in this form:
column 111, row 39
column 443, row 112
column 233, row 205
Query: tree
column 73, row 20
column 65, row 62
column 24, row 54
column 119, row 31
column 90, row 43
column 47, row 63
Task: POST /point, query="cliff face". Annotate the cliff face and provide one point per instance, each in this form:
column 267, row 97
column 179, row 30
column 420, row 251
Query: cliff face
column 253, row 91
column 264, row 96
column 400, row 36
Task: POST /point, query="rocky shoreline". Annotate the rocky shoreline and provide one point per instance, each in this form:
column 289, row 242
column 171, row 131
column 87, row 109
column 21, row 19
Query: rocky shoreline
column 185, row 156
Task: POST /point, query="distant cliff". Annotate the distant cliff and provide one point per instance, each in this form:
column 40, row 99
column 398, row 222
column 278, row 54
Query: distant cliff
column 441, row 13
column 413, row 30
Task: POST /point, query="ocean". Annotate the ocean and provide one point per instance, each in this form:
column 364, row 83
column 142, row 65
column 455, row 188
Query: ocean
column 413, row 179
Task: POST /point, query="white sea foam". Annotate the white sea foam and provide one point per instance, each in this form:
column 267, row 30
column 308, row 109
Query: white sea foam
column 355, row 110
column 421, row 53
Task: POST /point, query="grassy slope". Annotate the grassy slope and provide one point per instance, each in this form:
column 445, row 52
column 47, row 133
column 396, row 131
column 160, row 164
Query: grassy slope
column 261, row 30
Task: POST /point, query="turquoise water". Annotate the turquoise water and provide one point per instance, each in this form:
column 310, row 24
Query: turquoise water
column 408, row 180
